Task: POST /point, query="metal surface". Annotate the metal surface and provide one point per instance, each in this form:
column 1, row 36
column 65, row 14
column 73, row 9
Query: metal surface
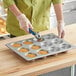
column 51, row 44
column 73, row 70
column 36, row 35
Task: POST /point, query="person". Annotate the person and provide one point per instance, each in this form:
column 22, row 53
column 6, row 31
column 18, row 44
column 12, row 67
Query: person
column 34, row 14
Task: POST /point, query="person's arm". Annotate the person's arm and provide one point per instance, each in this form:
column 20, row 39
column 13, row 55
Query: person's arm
column 23, row 20
column 59, row 12
column 60, row 19
column 14, row 10
column 59, row 15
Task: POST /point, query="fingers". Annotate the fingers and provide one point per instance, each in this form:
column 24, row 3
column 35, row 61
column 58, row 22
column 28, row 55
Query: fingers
column 61, row 31
column 25, row 29
column 24, row 22
column 61, row 34
column 30, row 25
column 25, row 25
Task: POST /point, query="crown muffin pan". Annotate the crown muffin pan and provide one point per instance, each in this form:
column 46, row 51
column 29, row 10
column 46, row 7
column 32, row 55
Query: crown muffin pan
column 31, row 49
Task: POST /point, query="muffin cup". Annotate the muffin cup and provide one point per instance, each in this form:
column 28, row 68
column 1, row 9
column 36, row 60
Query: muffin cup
column 16, row 45
column 23, row 50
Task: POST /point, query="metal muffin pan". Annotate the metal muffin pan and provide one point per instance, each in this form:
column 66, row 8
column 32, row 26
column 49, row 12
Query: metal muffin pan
column 51, row 45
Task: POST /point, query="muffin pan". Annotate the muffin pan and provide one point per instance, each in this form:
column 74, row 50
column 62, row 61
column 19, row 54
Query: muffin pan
column 31, row 49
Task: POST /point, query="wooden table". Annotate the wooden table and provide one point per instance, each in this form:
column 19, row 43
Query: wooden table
column 13, row 65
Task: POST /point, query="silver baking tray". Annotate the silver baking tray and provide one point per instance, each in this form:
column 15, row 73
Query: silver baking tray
column 50, row 45
column 2, row 35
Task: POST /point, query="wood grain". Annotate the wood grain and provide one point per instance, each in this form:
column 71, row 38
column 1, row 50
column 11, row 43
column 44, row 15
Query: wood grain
column 13, row 65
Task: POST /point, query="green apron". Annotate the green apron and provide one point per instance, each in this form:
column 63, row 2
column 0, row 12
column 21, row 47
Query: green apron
column 37, row 11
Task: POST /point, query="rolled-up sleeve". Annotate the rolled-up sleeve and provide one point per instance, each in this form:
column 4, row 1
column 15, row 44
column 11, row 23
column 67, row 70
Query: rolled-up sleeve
column 7, row 3
column 57, row 1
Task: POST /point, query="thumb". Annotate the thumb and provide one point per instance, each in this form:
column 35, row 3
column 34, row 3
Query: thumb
column 63, row 34
column 59, row 32
column 30, row 26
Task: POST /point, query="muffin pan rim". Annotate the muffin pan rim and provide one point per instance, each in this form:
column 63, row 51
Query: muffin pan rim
column 39, row 56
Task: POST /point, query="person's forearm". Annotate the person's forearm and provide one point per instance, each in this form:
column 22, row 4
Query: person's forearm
column 59, row 12
column 60, row 20
column 13, row 8
column 24, row 22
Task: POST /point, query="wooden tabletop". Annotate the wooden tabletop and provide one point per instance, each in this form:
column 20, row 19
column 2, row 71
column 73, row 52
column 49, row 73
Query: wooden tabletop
column 13, row 65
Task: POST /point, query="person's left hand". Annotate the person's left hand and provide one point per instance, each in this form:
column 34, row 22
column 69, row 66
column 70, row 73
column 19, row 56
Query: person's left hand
column 61, row 31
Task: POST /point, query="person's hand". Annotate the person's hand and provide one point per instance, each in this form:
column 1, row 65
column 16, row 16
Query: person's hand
column 24, row 22
column 61, row 31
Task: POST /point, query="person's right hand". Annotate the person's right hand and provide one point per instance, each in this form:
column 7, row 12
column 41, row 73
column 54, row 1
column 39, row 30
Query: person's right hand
column 24, row 22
